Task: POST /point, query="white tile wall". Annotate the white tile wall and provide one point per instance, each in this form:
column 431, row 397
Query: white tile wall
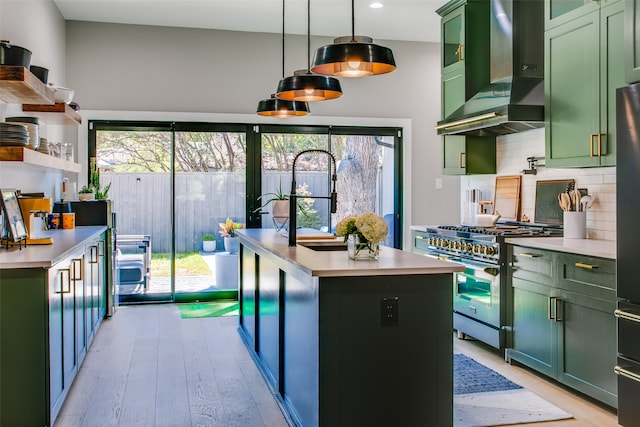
column 512, row 152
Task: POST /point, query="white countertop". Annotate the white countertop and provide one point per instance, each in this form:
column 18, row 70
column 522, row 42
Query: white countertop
column 44, row 256
column 337, row 263
column 589, row 247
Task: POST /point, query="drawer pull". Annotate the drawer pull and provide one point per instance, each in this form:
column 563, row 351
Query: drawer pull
column 421, row 238
column 587, row 266
column 461, row 164
column 528, row 255
column 627, row 374
column 626, row 315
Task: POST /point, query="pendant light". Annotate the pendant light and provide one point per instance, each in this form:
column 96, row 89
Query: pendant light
column 281, row 108
column 306, row 86
column 353, row 56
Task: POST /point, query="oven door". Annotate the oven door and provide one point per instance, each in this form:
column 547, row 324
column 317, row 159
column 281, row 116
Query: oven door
column 476, row 291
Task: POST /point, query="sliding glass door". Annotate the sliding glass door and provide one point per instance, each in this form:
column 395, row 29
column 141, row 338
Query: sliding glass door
column 172, row 184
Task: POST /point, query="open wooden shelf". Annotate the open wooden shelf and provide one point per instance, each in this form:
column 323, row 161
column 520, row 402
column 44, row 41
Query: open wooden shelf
column 58, row 113
column 19, row 86
column 36, row 159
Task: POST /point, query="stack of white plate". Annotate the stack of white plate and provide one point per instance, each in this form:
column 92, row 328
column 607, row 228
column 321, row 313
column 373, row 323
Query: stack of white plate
column 44, row 146
column 32, row 126
column 13, row 135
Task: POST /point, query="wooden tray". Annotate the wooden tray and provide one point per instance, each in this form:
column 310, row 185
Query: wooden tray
column 507, row 197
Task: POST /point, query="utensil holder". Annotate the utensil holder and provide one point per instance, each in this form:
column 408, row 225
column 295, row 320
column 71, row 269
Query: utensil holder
column 575, row 225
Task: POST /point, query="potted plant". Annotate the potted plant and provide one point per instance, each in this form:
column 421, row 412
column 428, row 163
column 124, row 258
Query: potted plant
column 208, row 243
column 99, row 191
column 279, row 207
column 86, row 193
column 228, row 231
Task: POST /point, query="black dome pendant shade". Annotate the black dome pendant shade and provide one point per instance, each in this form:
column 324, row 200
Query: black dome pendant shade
column 282, row 109
column 306, row 86
column 353, row 56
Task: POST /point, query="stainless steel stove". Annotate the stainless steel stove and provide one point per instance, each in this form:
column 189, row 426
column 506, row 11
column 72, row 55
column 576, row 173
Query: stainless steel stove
column 481, row 291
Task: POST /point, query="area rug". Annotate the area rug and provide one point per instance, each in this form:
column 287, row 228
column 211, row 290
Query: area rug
column 483, row 397
column 208, row 309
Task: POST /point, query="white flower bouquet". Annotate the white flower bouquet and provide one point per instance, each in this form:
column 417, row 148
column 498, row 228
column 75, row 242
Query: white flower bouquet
column 362, row 232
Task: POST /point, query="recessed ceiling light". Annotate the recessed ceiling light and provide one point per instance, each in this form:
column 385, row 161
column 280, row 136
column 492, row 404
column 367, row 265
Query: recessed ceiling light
column 376, row 5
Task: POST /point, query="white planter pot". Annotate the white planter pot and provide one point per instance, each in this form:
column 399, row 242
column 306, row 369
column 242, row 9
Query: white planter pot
column 209, row 245
column 231, row 245
column 280, row 211
column 85, row 196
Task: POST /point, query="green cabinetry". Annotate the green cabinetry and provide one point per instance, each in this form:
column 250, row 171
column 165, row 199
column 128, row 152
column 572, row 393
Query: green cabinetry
column 43, row 336
column 563, row 322
column 583, row 52
column 465, row 70
column 632, row 40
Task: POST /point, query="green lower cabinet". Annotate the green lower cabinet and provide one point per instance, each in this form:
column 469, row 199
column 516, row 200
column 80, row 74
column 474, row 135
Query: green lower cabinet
column 43, row 338
column 587, row 345
column 534, row 334
column 564, row 327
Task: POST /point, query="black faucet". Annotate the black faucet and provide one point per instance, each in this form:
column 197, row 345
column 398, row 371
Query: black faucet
column 293, row 198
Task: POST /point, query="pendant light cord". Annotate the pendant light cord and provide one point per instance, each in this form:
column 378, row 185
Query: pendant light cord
column 283, row 39
column 309, row 36
column 353, row 21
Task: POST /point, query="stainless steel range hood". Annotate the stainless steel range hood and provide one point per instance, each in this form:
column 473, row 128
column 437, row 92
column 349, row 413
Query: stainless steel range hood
column 513, row 101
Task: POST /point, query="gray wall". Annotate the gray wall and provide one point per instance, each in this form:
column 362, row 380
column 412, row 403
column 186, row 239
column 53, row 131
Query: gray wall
column 145, row 68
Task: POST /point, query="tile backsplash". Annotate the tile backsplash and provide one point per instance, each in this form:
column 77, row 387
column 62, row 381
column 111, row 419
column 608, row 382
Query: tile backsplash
column 512, row 152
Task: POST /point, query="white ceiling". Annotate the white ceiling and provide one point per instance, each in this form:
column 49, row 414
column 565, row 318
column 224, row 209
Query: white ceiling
column 412, row 20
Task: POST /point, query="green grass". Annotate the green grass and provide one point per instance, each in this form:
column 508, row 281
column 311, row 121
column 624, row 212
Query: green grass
column 187, row 264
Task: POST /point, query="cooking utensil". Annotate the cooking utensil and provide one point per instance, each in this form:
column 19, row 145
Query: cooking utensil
column 14, row 55
column 563, row 200
column 586, row 202
column 577, row 197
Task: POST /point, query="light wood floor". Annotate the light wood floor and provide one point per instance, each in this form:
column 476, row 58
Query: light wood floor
column 149, row 367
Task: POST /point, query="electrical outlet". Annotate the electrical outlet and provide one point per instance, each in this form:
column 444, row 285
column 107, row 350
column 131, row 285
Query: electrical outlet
column 389, row 311
column 438, row 183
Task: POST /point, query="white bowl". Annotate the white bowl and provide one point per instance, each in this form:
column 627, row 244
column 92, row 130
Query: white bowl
column 63, row 94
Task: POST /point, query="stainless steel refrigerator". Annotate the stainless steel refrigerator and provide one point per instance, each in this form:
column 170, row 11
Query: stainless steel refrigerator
column 628, row 253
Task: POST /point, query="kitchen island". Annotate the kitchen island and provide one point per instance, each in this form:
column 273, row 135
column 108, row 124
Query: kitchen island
column 349, row 343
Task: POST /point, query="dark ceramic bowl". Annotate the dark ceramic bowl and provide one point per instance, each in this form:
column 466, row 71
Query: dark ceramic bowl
column 40, row 72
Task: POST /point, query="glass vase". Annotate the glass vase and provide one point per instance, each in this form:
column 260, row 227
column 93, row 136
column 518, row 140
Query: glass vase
column 359, row 248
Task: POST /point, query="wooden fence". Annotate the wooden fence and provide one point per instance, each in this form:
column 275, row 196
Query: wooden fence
column 142, row 202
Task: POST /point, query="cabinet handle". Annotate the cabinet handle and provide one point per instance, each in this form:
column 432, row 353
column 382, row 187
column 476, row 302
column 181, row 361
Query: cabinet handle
column 528, row 255
column 591, row 152
column 93, row 254
column 77, row 269
column 459, row 53
column 600, row 135
column 101, row 244
column 62, row 291
column 626, row 315
column 558, row 305
column 420, row 238
column 549, row 315
column 627, row 374
column 587, row 266
column 460, row 163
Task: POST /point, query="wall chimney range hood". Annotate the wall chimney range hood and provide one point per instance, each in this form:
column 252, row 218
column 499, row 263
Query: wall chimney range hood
column 513, row 101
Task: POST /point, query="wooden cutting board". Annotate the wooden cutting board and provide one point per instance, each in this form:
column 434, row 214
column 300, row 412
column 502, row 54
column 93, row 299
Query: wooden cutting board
column 507, row 197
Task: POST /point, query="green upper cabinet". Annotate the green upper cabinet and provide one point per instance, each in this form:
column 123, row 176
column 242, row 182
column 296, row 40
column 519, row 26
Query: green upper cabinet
column 452, row 46
column 559, row 12
column 465, row 71
column 632, row 40
column 582, row 71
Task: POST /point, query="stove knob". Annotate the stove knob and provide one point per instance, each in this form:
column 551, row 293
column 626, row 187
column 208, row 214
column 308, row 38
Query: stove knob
column 468, row 247
column 456, row 246
column 477, row 249
column 484, row 250
column 430, row 240
column 445, row 243
column 490, row 250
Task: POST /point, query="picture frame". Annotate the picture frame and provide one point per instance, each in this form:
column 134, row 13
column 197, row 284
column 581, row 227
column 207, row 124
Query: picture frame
column 12, row 214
